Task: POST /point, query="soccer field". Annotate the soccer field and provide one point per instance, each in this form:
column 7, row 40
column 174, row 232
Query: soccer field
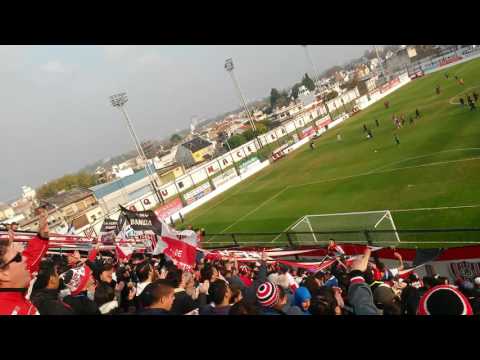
column 430, row 180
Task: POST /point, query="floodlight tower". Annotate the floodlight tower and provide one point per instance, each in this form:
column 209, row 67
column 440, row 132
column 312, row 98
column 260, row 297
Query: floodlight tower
column 315, row 74
column 118, row 101
column 229, row 67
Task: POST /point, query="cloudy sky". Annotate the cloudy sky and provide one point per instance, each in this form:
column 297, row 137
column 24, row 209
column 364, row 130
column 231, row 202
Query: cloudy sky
column 55, row 112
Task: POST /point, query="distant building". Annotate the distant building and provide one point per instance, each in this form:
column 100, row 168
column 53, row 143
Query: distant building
column 56, row 222
column 361, row 71
column 73, row 204
column 121, row 172
column 170, row 173
column 402, row 58
column 366, row 84
column 6, row 211
column 287, row 112
column 28, row 193
column 23, row 206
column 194, row 151
column 259, row 115
column 166, row 159
column 373, row 63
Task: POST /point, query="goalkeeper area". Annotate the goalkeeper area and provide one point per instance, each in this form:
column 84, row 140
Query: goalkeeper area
column 354, row 227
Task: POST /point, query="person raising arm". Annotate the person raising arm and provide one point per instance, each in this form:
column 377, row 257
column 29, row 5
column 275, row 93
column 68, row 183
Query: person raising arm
column 17, row 269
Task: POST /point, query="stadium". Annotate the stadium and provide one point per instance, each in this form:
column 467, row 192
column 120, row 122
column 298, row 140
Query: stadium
column 370, row 211
column 428, row 182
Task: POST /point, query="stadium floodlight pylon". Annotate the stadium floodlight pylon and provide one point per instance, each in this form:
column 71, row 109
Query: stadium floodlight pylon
column 352, row 227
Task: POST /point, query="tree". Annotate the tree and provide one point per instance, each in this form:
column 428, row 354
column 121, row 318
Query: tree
column 236, row 141
column 278, row 98
column 308, row 83
column 175, row 138
column 331, row 95
column 274, row 96
column 66, row 182
column 268, row 123
column 261, row 128
column 295, row 89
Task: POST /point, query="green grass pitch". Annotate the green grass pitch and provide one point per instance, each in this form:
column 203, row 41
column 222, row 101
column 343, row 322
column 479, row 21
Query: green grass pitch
column 436, row 165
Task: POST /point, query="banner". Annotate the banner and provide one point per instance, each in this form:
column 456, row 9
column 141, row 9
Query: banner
column 323, row 122
column 249, row 163
column 197, row 193
column 165, row 211
column 226, row 176
column 307, row 132
column 109, row 231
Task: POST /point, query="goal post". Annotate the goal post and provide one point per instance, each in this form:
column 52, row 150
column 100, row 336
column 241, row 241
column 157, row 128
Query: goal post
column 352, row 227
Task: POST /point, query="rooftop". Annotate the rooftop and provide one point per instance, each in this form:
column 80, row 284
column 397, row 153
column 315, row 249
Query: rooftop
column 4, row 206
column 102, row 190
column 196, row 144
column 69, row 197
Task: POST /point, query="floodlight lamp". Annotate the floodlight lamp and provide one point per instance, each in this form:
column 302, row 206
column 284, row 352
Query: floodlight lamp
column 119, row 99
column 229, row 64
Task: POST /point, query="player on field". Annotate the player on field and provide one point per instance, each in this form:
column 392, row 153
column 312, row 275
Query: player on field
column 397, row 140
column 377, row 123
column 417, row 113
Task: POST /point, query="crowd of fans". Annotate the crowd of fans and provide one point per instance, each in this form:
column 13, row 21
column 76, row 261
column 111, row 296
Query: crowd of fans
column 35, row 283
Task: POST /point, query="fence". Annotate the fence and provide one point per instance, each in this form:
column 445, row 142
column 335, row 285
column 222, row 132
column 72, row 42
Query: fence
column 417, row 238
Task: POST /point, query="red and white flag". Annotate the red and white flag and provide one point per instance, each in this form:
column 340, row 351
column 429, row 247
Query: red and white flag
column 180, row 246
column 124, row 252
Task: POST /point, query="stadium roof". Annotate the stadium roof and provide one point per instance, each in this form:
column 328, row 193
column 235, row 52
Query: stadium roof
column 104, row 189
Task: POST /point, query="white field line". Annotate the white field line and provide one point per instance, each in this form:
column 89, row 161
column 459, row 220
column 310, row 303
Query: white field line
column 460, row 93
column 437, row 208
column 343, row 178
column 295, row 223
column 424, row 156
column 253, row 210
column 383, row 171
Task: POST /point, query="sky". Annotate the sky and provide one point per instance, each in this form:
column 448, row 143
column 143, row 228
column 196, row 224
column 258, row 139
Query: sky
column 55, row 113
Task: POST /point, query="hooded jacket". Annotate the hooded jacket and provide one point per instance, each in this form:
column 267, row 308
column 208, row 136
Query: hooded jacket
column 13, row 301
column 360, row 295
column 301, row 295
column 48, row 303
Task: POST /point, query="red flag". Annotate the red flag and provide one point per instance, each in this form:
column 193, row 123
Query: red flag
column 182, row 253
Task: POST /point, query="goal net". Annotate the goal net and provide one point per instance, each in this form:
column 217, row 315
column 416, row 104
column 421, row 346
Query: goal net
column 354, row 227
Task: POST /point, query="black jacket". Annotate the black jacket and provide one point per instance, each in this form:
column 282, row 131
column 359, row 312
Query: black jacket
column 48, row 303
column 183, row 303
column 81, row 304
column 153, row 312
column 410, row 300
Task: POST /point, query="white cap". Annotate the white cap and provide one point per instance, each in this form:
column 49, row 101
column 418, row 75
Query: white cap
column 477, row 281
